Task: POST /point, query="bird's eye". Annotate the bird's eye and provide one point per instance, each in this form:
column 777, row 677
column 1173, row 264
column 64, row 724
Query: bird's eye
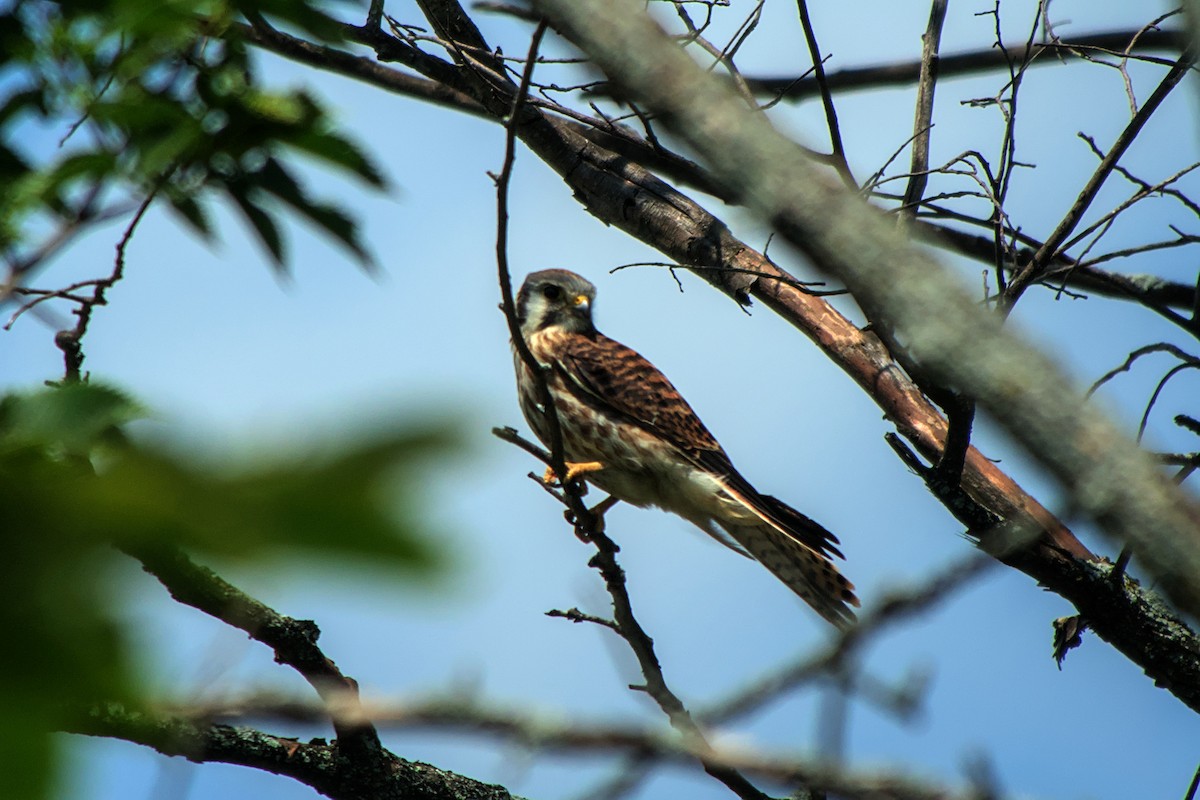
column 552, row 293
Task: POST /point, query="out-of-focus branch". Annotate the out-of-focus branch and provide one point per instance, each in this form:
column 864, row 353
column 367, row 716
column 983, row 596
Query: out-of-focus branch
column 1107, row 476
column 891, row 609
column 615, row 187
column 321, row 766
column 294, row 641
column 550, row 733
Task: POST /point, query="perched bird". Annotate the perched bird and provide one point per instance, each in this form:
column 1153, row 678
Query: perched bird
column 626, row 430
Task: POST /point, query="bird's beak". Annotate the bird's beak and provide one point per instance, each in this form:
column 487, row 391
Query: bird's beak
column 581, row 301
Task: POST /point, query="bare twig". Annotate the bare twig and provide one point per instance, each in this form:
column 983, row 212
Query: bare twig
column 549, row 733
column 968, row 63
column 923, row 118
column 1034, row 270
column 1162, row 384
column 839, row 654
column 722, row 56
column 70, row 342
column 1159, row 347
column 625, row 625
column 831, row 119
column 557, row 458
column 85, row 216
column 293, row 641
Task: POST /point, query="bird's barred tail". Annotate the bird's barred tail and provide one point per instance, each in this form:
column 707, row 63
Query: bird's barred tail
column 795, row 548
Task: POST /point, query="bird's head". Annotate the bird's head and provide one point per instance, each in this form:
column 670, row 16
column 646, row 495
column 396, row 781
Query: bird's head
column 555, row 297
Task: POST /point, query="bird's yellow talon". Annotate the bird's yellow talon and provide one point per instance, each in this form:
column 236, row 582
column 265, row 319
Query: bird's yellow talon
column 574, row 470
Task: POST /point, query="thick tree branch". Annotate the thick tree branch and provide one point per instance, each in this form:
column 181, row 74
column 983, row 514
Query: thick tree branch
column 317, row 764
column 1152, row 291
column 293, row 640
column 1109, row 477
column 622, row 193
column 353, row 767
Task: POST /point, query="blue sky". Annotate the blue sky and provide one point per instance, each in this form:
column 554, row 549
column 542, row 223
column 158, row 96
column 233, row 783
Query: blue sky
column 237, row 362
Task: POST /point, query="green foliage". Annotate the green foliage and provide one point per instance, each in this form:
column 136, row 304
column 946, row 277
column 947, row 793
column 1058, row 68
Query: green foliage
column 170, row 102
column 71, row 486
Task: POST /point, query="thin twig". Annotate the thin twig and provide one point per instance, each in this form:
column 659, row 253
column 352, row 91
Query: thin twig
column 923, row 119
column 626, row 625
column 1159, row 347
column 1034, row 270
column 839, row 653
column 557, row 456
column 293, row 641
column 70, row 342
column 831, row 119
column 967, row 63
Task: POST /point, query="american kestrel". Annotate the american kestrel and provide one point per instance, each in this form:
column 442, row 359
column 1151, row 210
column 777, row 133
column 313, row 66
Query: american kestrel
column 627, row 430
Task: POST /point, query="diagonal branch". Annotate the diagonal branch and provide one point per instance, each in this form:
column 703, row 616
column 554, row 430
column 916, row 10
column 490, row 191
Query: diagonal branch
column 294, row 641
column 923, row 123
column 626, row 625
column 1035, row 269
column 316, row 764
column 831, row 118
column 1107, row 476
column 620, row 191
column 1155, row 293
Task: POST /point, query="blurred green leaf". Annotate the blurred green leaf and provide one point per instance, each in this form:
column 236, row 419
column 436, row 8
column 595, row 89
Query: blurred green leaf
column 274, row 178
column 192, row 213
column 263, row 225
column 72, row 418
column 340, row 152
column 168, row 100
column 63, row 646
column 64, row 510
column 349, row 501
column 26, row 755
column 342, row 504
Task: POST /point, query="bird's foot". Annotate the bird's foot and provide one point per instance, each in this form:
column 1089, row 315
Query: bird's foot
column 574, row 470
